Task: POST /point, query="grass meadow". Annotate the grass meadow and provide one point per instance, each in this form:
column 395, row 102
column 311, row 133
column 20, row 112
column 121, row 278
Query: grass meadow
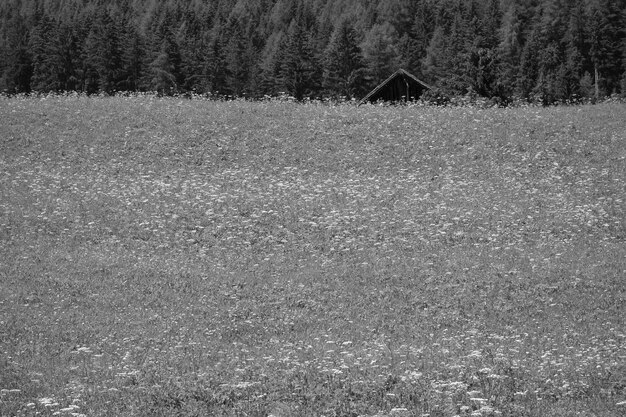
column 173, row 257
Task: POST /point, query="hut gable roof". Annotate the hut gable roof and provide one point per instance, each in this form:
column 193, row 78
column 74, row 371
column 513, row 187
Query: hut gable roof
column 400, row 86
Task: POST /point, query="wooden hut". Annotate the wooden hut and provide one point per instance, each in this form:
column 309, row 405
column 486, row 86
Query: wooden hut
column 400, row 86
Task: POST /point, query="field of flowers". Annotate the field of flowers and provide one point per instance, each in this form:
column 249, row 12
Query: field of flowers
column 187, row 257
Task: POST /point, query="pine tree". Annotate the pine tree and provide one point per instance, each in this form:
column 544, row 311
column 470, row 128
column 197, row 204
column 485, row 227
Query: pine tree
column 447, row 63
column 17, row 68
column 605, row 38
column 103, row 55
column 160, row 72
column 529, row 67
column 470, row 25
column 419, row 38
column 269, row 65
column 509, row 51
column 297, row 63
column 435, row 61
column 67, row 47
column 238, row 61
column 281, row 15
column 398, row 13
column 550, row 83
column 163, row 61
column 459, row 48
column 380, row 51
column 344, row 69
column 409, row 58
column 491, row 25
column 484, row 73
column 193, row 45
column 44, row 56
column 133, row 57
column 214, row 62
column 55, row 56
column 576, row 50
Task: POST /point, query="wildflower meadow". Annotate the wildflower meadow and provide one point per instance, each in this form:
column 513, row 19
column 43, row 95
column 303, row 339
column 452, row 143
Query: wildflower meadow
column 168, row 256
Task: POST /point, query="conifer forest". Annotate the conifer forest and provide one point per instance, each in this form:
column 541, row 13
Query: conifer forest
column 544, row 51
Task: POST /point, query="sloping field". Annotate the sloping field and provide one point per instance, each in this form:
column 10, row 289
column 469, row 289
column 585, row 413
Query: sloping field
column 186, row 257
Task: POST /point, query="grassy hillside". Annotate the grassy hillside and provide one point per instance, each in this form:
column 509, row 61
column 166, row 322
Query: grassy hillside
column 175, row 257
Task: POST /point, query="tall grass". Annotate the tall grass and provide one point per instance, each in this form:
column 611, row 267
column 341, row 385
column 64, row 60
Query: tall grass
column 188, row 257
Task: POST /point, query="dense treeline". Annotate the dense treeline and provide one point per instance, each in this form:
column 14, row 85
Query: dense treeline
column 543, row 50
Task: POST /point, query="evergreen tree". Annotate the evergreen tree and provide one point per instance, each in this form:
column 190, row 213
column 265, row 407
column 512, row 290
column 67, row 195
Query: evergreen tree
column 435, row 61
column 344, row 69
column 238, row 60
column 281, row 15
column 419, row 38
column 380, row 52
column 17, row 68
column 161, row 70
column 297, row 63
column 529, row 67
column 192, row 46
column 103, row 55
column 470, row 25
column 214, row 62
column 447, row 62
column 509, row 51
column 269, row 65
column 576, row 50
column 484, row 73
column 408, row 57
column 133, row 57
column 460, row 46
column 67, row 45
column 44, row 56
column 398, row 13
column 56, row 56
column 491, row 25
column 163, row 62
column 605, row 39
column 483, row 63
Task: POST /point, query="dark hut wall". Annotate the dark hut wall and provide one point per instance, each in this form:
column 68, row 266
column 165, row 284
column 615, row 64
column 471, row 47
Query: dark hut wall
column 398, row 89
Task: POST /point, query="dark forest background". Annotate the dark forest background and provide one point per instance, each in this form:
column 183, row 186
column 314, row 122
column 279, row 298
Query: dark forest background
column 539, row 50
